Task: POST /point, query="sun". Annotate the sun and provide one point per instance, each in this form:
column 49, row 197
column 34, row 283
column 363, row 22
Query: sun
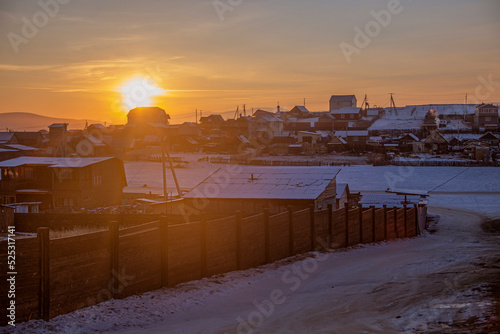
column 139, row 92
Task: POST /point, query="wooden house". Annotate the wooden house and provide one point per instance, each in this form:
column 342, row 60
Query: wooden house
column 491, row 139
column 33, row 139
column 486, row 116
column 62, row 183
column 406, row 142
column 436, row 143
column 252, row 188
column 342, row 101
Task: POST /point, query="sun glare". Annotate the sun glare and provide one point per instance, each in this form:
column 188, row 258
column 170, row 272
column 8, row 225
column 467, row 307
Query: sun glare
column 139, row 92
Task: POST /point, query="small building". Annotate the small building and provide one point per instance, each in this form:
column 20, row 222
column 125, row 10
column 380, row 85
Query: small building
column 299, row 111
column 62, row 183
column 486, row 117
column 265, row 126
column 33, row 139
column 213, row 121
column 436, row 143
column 8, row 138
column 252, row 188
column 477, row 150
column 342, row 101
column 406, row 142
column 490, row 139
column 309, row 137
column 354, row 138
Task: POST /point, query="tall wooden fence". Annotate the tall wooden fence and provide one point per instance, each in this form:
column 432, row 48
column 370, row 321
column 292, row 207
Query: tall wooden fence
column 57, row 276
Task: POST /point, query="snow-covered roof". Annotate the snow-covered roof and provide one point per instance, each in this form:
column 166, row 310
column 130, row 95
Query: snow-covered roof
column 345, row 110
column 20, row 147
column 301, row 109
column 307, row 120
column 255, row 182
column 462, row 136
column 411, row 135
column 53, row 162
column 310, row 133
column 6, row 136
column 341, row 187
column 268, row 118
column 352, row 133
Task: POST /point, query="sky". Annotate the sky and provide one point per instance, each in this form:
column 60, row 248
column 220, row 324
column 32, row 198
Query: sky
column 72, row 58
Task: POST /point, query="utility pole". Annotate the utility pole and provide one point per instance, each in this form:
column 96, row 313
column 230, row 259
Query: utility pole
column 393, row 105
column 163, row 168
column 244, row 111
column 196, row 119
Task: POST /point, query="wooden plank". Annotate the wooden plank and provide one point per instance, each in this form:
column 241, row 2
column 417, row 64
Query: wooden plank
column 43, row 237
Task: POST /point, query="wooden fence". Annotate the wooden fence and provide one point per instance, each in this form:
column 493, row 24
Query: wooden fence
column 57, row 276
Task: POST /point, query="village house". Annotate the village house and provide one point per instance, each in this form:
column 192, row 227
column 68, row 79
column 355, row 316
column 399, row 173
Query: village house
column 486, row 117
column 252, row 188
column 354, row 138
column 8, row 138
column 406, row 142
column 310, row 137
column 299, row 112
column 265, row 126
column 33, row 139
column 62, row 183
column 491, row 139
column 212, row 121
column 435, row 143
column 342, row 101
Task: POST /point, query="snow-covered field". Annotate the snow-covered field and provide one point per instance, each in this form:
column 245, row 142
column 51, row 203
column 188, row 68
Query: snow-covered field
column 436, row 283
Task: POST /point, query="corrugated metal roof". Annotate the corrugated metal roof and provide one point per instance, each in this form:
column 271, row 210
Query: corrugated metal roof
column 254, row 182
column 54, row 162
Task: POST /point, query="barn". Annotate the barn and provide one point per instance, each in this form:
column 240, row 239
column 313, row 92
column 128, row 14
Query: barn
column 252, row 188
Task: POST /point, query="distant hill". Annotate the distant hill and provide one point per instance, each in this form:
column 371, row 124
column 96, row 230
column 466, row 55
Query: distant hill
column 21, row 121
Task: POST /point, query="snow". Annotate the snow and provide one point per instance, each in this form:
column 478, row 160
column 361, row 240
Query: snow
column 53, row 162
column 266, row 182
column 411, row 117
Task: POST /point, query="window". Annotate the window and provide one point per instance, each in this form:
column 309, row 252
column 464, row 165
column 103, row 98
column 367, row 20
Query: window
column 487, row 119
column 352, row 115
column 355, row 138
column 342, row 116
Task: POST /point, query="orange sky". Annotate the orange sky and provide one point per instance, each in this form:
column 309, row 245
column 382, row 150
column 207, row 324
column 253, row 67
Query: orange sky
column 258, row 53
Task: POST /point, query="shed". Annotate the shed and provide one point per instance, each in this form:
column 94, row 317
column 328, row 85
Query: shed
column 252, row 188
